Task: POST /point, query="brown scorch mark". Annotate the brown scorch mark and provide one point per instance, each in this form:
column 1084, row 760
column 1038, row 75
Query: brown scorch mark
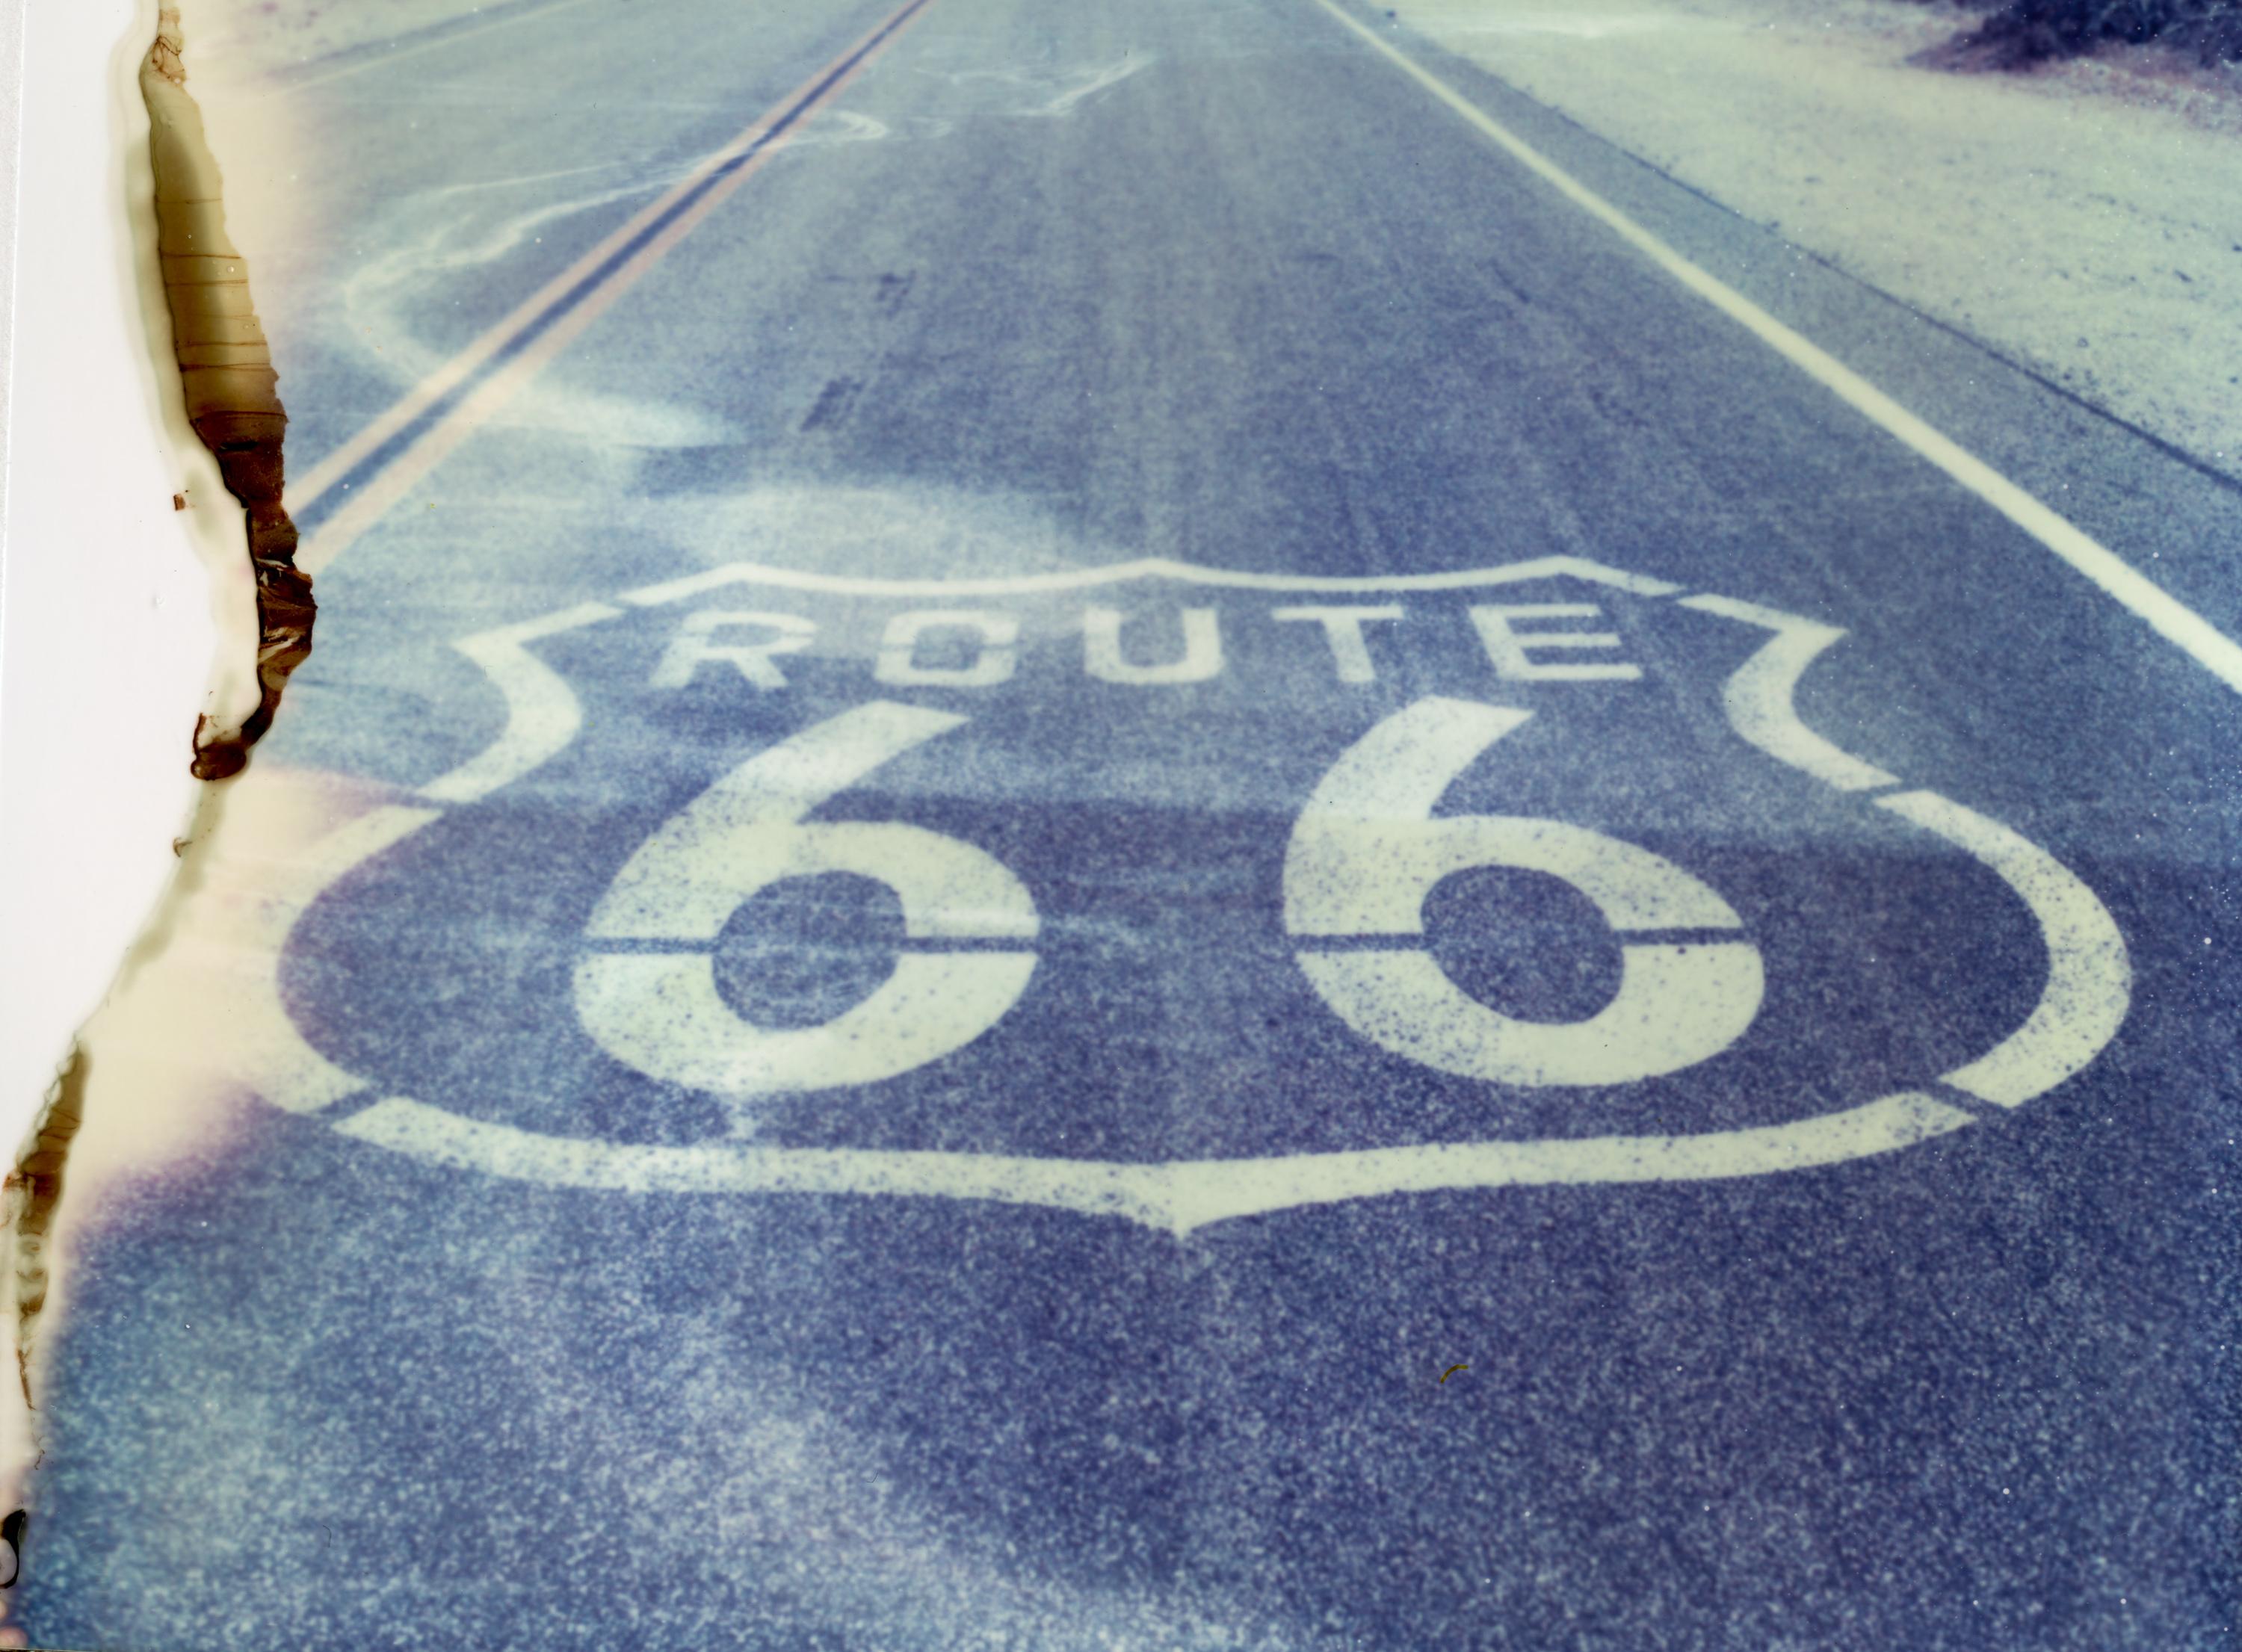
column 225, row 368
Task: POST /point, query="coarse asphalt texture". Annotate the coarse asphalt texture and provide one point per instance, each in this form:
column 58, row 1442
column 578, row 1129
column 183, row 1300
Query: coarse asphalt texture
column 1034, row 294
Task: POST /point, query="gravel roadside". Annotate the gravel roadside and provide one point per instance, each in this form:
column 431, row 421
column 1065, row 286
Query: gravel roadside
column 2079, row 219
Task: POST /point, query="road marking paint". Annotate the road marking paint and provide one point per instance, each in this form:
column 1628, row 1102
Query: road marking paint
column 1103, row 657
column 288, row 88
column 747, row 832
column 1110, row 75
column 1368, row 847
column 663, row 1012
column 1366, row 853
column 2090, row 978
column 695, row 645
column 995, row 657
column 1508, row 647
column 1342, row 629
column 1176, row 1197
column 2164, row 613
column 2088, row 991
column 541, row 704
column 274, row 1056
column 1759, row 696
column 1676, row 1007
column 2078, row 1012
column 733, row 574
column 1397, row 772
column 506, row 356
column 541, row 713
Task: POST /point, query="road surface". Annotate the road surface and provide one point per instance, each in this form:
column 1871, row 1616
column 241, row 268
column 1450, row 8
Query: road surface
column 1083, row 737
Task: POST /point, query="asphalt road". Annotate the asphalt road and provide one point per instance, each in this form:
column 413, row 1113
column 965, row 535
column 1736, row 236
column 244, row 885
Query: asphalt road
column 1150, row 744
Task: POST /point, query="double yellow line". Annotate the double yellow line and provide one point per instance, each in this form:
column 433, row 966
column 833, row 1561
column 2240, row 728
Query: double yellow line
column 349, row 490
column 384, row 461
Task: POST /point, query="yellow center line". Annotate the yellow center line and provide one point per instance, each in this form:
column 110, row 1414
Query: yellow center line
column 368, row 504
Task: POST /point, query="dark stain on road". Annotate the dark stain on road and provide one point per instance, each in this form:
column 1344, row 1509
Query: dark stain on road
column 833, row 404
column 892, row 290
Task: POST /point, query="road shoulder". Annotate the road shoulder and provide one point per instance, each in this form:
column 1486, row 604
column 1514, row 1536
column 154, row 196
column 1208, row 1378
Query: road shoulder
column 2071, row 228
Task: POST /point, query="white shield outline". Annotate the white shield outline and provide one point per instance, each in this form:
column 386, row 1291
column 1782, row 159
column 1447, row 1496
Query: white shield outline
column 2082, row 1002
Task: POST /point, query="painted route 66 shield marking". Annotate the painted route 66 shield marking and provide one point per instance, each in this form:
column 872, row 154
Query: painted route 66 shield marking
column 1155, row 853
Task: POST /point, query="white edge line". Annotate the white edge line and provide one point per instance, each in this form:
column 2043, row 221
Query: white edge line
column 2165, row 614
